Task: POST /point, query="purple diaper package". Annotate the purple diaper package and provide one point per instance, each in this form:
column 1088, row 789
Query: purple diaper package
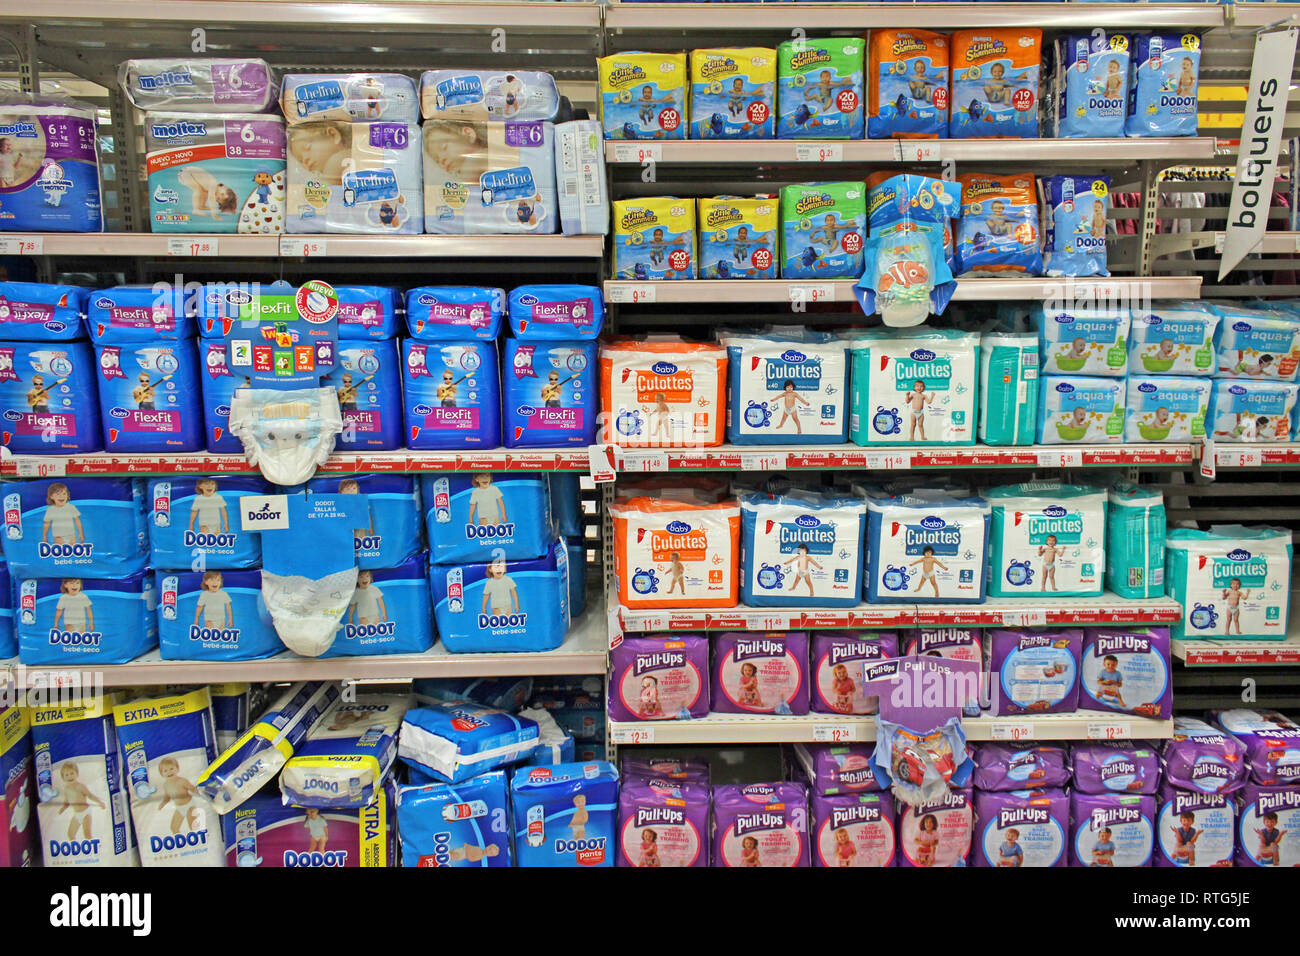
column 1019, row 766
column 834, row 769
column 1112, row 829
column 659, row 678
column 937, row 834
column 1115, row 766
column 853, row 830
column 681, row 770
column 1272, row 744
column 760, row 673
column 1034, row 672
column 950, row 643
column 663, row 824
column 1021, row 828
column 1268, row 826
column 838, row 659
column 761, row 824
column 1195, row 829
column 1203, row 758
column 1126, row 669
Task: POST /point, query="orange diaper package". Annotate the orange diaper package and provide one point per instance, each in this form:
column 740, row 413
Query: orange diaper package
column 995, row 80
column 663, row 394
column 670, row 553
column 907, row 84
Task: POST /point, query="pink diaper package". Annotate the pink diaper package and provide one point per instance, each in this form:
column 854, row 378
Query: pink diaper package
column 1268, row 826
column 760, row 673
column 760, row 824
column 951, row 643
column 835, row 769
column 1195, row 829
column 838, row 659
column 1272, row 744
column 1112, row 829
column 659, row 678
column 937, row 834
column 1021, row 828
column 1126, row 669
column 663, row 824
column 1020, row 766
column 1034, row 672
column 853, row 830
column 1203, row 758
column 1115, row 766
column 684, row 770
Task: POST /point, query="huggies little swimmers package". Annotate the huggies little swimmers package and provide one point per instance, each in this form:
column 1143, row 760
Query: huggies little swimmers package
column 36, row 312
column 1090, row 84
column 819, row 92
column 452, row 394
column 1074, row 224
column 84, row 622
column 197, row 519
column 389, row 613
column 738, row 237
column 822, row 230
column 1075, row 408
column 995, row 78
column 1231, row 581
column 550, row 397
column 214, row 616
column 1162, row 95
column 907, row 87
column 565, row 814
column 733, row 93
column 1245, row 411
column 1126, row 670
column 1166, row 408
column 49, row 399
column 393, row 529
column 462, row 824
column 1172, row 338
column 643, row 95
column 787, row 387
column 483, row 516
column 654, row 239
column 997, row 233
column 74, row 526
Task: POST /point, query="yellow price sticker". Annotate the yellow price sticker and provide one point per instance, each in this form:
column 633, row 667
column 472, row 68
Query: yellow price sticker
column 1118, row 42
column 1099, row 188
column 1191, row 41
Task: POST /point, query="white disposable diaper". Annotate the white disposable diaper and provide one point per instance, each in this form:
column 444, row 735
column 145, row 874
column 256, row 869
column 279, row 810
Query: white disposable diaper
column 307, row 611
column 350, row 97
column 580, row 178
column 200, row 84
column 354, row 178
column 286, row 434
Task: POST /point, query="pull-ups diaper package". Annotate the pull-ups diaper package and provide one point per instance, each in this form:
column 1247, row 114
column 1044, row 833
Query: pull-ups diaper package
column 264, row 832
column 997, row 232
column 486, row 178
column 1195, row 829
column 914, row 387
column 452, row 394
column 654, row 238
column 454, row 313
column 465, row 824
column 995, row 83
column 1166, row 408
column 657, row 394
column 1034, row 672
column 787, row 387
column 85, row 526
column 149, row 397
column 1272, row 743
column 676, row 553
column 196, row 520
column 214, row 616
column 823, row 226
column 1116, row 766
column 810, row 540
column 643, row 95
column 550, row 397
column 84, row 622
column 36, row 312
column 581, row 185
column 760, row 673
column 367, row 312
column 936, row 541
column 392, row 534
column 659, row 678
column 389, row 613
column 1126, row 670
column 1268, row 827
column 200, row 85
column 1013, row 766
column 837, row 669
column 907, row 86
column 216, row 172
column 349, row 98
column 1074, row 224
column 1203, row 759
column 49, row 398
column 853, row 830
column 1111, row 829
column 1253, row 343
column 1135, row 541
column 1008, row 378
column 19, row 844
column 565, row 814
column 1021, row 828
column 819, row 88
column 354, row 178
column 1172, row 338
column 950, row 643
column 484, row 516
column 733, row 93
column 761, row 824
column 1162, row 94
column 1232, row 581
column 1089, row 84
column 367, row 381
column 1245, row 411
column 488, row 95
column 561, row 312
column 347, row 755
column 1078, row 408
column 1047, row 538
column 456, row 740
column 937, row 834
column 833, row 769
column 503, row 605
column 738, row 237
column 663, row 823
column 49, row 165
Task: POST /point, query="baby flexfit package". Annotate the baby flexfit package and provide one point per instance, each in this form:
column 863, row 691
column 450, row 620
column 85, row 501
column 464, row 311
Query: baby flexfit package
column 264, row 832
column 995, row 78
column 760, row 824
column 1244, row 411
column 907, row 85
column 738, row 237
column 787, row 386
column 1034, row 672
column 368, row 383
column 914, row 387
column 85, row 526
column 49, row 398
column 1166, row 408
column 1114, row 766
column 559, row 312
column 823, row 226
column 1074, row 224
column 347, row 755
column 1172, row 338
column 1272, row 743
column 811, row 540
column 18, row 827
column 819, row 88
column 1079, row 408
column 937, row 834
column 998, row 230
column 1016, row 766
column 197, row 519
column 1162, row 93
column 643, row 95
column 1232, row 581
column 149, row 397
column 1089, row 85
column 1009, row 383
column 1195, row 829
column 659, row 678
column 671, row 553
column 388, row 613
column 37, row 312
column 951, row 643
column 732, row 93
column 489, row 178
column 581, row 184
column 200, row 85
column 488, row 95
column 853, row 830
column 837, row 666
column 663, row 393
column 833, row 769
column 84, row 622
column 464, row 824
column 354, row 178
column 393, row 531
column 550, row 393
column 349, row 98
column 484, row 516
column 565, row 814
column 49, row 165
column 367, row 312
column 760, row 673
column 214, row 615
column 1126, row 670
column 1111, row 829
column 654, row 238
column 938, row 542
column 454, row 313
column 663, row 823
column 452, row 394
column 1268, row 826
column 1021, row 828
column 1202, row 758
column 1255, row 343
column 1135, row 541
column 218, row 384
column 1046, row 537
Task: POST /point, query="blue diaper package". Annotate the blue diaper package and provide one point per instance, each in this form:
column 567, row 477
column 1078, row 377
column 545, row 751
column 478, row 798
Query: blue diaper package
column 77, row 622
column 813, row 540
column 1246, row 411
column 455, row 740
column 8, row 636
column 36, row 312
column 565, row 814
column 997, row 233
column 464, row 824
column 564, row 312
column 390, row 613
column 230, row 703
column 453, row 313
column 218, row 389
column 1256, row 343
column 577, row 552
column 502, row 693
column 550, row 396
column 504, row 605
column 140, row 314
column 1090, row 84
column 936, row 540
column 1074, row 216
column 349, row 97
column 214, row 616
column 484, row 516
column 368, row 382
column 1162, row 94
column 566, row 504
column 49, row 169
column 1172, row 338
column 367, row 312
column 150, row 397
column 394, row 531
column 785, row 387
column 1082, row 409
column 488, row 95
column 1166, row 408
column 86, row 526
column 194, row 522
column 1091, row 341
column 48, row 398
column 452, row 393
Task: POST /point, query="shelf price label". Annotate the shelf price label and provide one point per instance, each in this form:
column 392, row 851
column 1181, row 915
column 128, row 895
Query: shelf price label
column 180, row 246
column 631, row 293
column 1109, row 730
column 1060, row 459
column 302, row 246
column 638, row 153
column 1028, row 618
column 623, row 734
column 836, row 733
column 1011, row 730
column 762, row 462
column 40, row 468
column 819, row 152
column 649, row 461
column 25, row 246
column 1238, row 457
column 887, row 460
column 806, row 292
column 919, row 151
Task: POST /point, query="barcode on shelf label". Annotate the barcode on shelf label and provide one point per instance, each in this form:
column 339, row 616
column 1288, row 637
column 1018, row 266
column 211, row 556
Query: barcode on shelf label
column 1008, row 730
column 819, row 152
column 761, row 462
column 27, row 246
column 638, row 152
column 40, row 467
column 632, row 735
column 1034, row 618
column 300, row 246
column 1060, row 459
column 180, row 246
column 806, row 292
column 836, row 733
column 887, row 460
column 1109, row 730
column 919, row 151
column 629, row 293
column 1238, row 457
column 645, row 461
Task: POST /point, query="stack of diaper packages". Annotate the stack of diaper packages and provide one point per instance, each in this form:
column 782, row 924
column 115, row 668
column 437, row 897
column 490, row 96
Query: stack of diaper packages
column 1089, row 85
column 1082, row 393
column 1256, row 358
column 1022, row 811
column 49, row 165
column 1207, row 787
column 1268, row 805
column 1231, row 581
column 19, row 839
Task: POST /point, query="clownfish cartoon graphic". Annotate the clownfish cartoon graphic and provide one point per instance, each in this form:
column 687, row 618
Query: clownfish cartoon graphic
column 904, row 274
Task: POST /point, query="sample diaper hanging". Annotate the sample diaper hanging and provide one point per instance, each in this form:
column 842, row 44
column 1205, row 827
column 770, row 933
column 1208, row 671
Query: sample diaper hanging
column 286, row 434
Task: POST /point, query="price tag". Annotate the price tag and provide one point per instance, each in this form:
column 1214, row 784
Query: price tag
column 1030, row 618
column 768, row 462
column 919, row 151
column 1209, row 460
column 633, row 294
column 1238, row 457
column 773, row 623
column 1008, row 730
column 811, row 292
column 28, row 246
column 887, row 460
column 602, row 462
column 645, row 461
column 180, row 246
column 836, row 733
column 1109, row 730
column 638, row 152
column 40, row 467
column 1060, row 459
column 819, row 152
column 302, row 246
column 1218, row 241
column 623, row 734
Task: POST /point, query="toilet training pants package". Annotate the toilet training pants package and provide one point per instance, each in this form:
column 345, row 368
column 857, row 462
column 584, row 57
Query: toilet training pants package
column 733, row 93
column 762, row 824
column 659, row 678
column 937, row 834
column 484, row 178
column 460, row 824
column 1089, row 84
column 995, row 83
column 997, row 232
column 1009, row 384
column 1076, row 408
column 907, row 85
column 657, row 394
column 1005, row 767
column 389, row 612
column 1162, row 96
column 214, row 615
column 811, row 540
column 757, row 673
column 853, row 830
column 676, row 554
column 1272, row 743
column 738, row 237
column 833, row 769
column 354, row 178
column 1231, row 581
column 1268, row 826
column 663, row 823
column 1245, row 411
column 1021, row 828
column 643, row 95
column 952, row 643
column 484, row 516
column 1166, row 408
column 1172, row 338
column 49, row 169
column 1115, row 765
column 1126, row 670
column 368, row 383
column 452, row 394
column 786, row 388
column 1034, row 673
column 931, row 539
column 565, row 814
column 49, row 399
column 264, row 832
column 1203, row 758
column 149, row 397
column 1047, row 538
column 80, row 622
column 197, row 519
column 1074, row 224
column 80, row 526
column 1195, row 829
column 654, row 238
column 550, row 397
column 1111, row 829
column 819, row 91
column 18, row 827
column 822, row 230
column 914, row 387
column 837, row 667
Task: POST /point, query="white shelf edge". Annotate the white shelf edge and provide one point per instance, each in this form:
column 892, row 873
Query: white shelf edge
column 338, row 13
column 714, row 291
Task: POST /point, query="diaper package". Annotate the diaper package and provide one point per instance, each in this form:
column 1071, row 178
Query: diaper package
column 663, row 393
column 659, row 678
column 643, row 95
column 48, row 398
column 37, row 312
column 347, row 755
column 833, row 769
column 995, row 77
column 368, row 383
column 550, row 393
column 582, row 188
column 838, row 665
column 1074, row 224
column 367, row 312
column 560, row 312
column 853, row 830
column 484, row 516
column 84, row 526
column 1202, row 758
column 1253, row 343
column 200, row 85
column 554, row 743
column 1241, row 410
column 760, row 673
column 452, row 395
column 1047, row 538
column 1126, row 670
column 1166, row 408
column 1034, row 673
column 503, row 605
column 811, row 540
column 349, row 98
column 214, row 615
column 1172, row 338
column 49, row 165
column 938, row 542
column 218, row 384
column 823, row 226
column 85, row 622
column 785, row 387
column 1111, row 829
column 389, row 612
column 264, row 832
column 81, row 785
column 1009, row 383
column 19, row 840
column 938, row 833
column 672, row 769
column 997, row 233
column 914, row 387
column 501, row 693
column 1089, row 84
column 1162, row 94
column 149, row 397
column 950, row 643
column 465, row 824
column 1078, row 408
column 761, row 824
column 1116, row 766
column 676, row 553
column 194, row 520
column 230, row 706
column 488, row 95
column 392, row 534
column 654, row 238
column 907, row 85
column 819, row 88
column 1195, row 829
column 1135, row 541
column 566, row 504
column 663, row 823
column 1232, row 581
column 8, row 636
column 216, row 172
column 1021, row 828
column 489, row 178
column 454, row 313
column 1272, row 743
column 354, row 178
column 738, row 237
column 733, row 93
column 1267, row 821
column 566, row 814
column 1003, row 767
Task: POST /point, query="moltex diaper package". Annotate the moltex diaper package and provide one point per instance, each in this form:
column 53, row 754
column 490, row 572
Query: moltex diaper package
column 49, row 398
column 565, row 814
column 452, row 394
column 995, row 82
column 264, row 832
column 676, row 553
column 761, row 824
column 833, row 769
column 801, row 549
column 456, row 740
column 663, row 393
column 389, row 612
column 663, row 823
column 36, row 312
column 823, row 226
column 738, row 237
column 200, row 85
column 484, row 516
column 1089, row 84
column 1272, row 743
column 194, row 520
column 733, row 93
column 149, row 397
column 659, row 678
column 18, row 837
column 1166, row 408
column 937, row 834
column 354, row 178
column 1172, row 338
column 1245, row 411
column 643, row 95
column 1047, row 538
column 216, row 172
column 907, row 86
column 1111, row 829
column 760, row 673
column 464, row 824
column 392, row 535
column 819, row 88
column 997, row 232
column 654, row 238
column 454, row 313
column 1253, row 343
column 84, row 526
column 1126, row 670
column 1267, row 822
column 214, row 615
column 49, row 165
column 488, row 95
column 349, row 98
column 1195, row 829
column 347, row 755
column 1114, row 765
column 787, row 387
column 1078, row 408
column 951, row 643
column 1021, row 828
column 1009, row 383
column 1074, row 224
column 1162, row 90
column 914, row 387
column 926, row 548
column 489, row 178
column 550, row 394
column 1034, row 673
column 1135, row 541
column 561, row 312
column 1202, row 758
column 84, row 622
column 853, row 830
column 1232, row 581
column 837, row 670
column 368, row 383
column 1015, row 766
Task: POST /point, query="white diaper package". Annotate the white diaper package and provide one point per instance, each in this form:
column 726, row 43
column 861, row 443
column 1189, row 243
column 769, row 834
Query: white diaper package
column 200, row 85
column 1046, row 538
column 1008, row 388
column 580, row 181
column 489, row 178
column 1166, row 408
column 349, row 97
column 1246, row 411
column 483, row 95
column 354, row 178
column 1079, row 409
column 1083, row 341
column 1232, row 581
column 456, row 740
column 347, row 755
column 1172, row 338
column 1256, row 343
column 926, row 548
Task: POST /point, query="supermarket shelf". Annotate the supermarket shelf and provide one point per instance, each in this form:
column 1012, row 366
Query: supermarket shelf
column 1259, row 14
column 1280, row 243
column 1230, row 653
column 828, row 728
column 261, row 13
column 1266, row 455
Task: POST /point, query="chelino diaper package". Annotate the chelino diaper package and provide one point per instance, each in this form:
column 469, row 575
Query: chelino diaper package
column 391, row 535
column 1009, row 383
column 1135, row 541
column 488, row 95
column 1172, row 338
column 663, row 393
column 1116, row 766
column 454, row 313
column 1111, row 829
column 456, row 740
column 1166, row 408
column 1162, row 93
column 349, row 98
column 389, row 612
column 654, row 238
column 832, row 769
column 837, row 670
column 907, row 86
column 1195, row 829
column 926, row 548
column 1232, row 581
column 368, row 383
column 264, row 832
column 643, row 95
column 819, row 88
column 995, row 78
column 81, row 622
column 1021, row 828
column 760, row 673
column 1089, row 84
column 951, row 643
column 1253, row 343
column 914, row 387
column 483, row 516
column 1202, row 758
column 853, row 830
column 733, row 93
column 489, row 178
column 659, row 678
column 676, row 553
column 49, row 166
column 560, row 312
column 937, row 834
column 1074, row 224
column 550, row 393
column 997, row 232
column 761, row 825
column 1079, row 408
column 149, row 397
column 216, row 172
column 19, row 840
column 1126, row 670
column 801, row 549
column 786, row 387
column 354, row 178
column 347, row 755
column 1268, row 826
column 663, row 823
column 1034, row 672
column 193, row 520
column 565, row 814
column 823, row 227
column 738, row 237
column 200, row 85
column 1017, row 766
column 49, row 399
column 1272, row 743
column 452, row 394
column 1245, row 411
column 464, row 824
column 37, row 312
column 1047, row 537
column 84, row 526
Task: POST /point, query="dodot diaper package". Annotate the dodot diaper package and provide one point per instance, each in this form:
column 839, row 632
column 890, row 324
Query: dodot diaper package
column 1047, row 538
column 1115, row 766
column 230, row 704
column 200, row 85
column 937, row 834
column 786, row 387
column 214, row 615
column 49, row 399
column 1231, row 581
column 907, row 85
column 1077, row 408
column 457, row 740
column 465, row 824
column 733, row 93
column 488, row 95
column 1272, row 743
column 663, row 393
column 1021, row 828
column 853, row 830
column 391, row 535
column 1126, row 670
column 389, row 612
column 197, row 519
column 1074, row 224
column 1166, row 408
column 1172, row 338
column 349, row 97
column 997, row 232
column 49, row 167
column 84, row 622
column 565, row 814
column 1162, row 95
column 550, row 396
column 760, row 673
column 8, row 636
column 837, row 670
column 1009, row 383
column 819, row 88
column 1268, row 826
column 654, row 678
column 368, row 383
column 347, row 755
column 643, row 95
column 264, row 832
column 18, row 826
column 663, row 823
column 1034, row 673
column 1195, row 829
column 1090, row 84
column 833, row 769
column 1203, row 759
column 1253, row 343
column 801, row 549
column 488, row 178
column 995, row 83
column 1015, row 766
column 502, row 693
column 484, row 516
column 36, row 312
column 1135, row 541
column 738, row 237
column 823, row 226
column 760, row 825
column 1112, row 829
column 654, row 238
column 452, row 394
column 1245, row 411
column 926, row 548
column 676, row 553
column 83, row 526
column 354, row 178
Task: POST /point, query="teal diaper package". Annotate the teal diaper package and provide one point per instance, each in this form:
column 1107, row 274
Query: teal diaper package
column 1172, row 338
column 1046, row 538
column 1232, row 581
column 1080, row 409
column 1166, row 408
column 1135, row 541
column 914, row 387
column 1009, row 382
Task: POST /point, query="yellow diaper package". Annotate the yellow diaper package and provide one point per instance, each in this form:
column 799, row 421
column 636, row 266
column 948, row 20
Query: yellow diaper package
column 738, row 237
column 733, row 93
column 654, row 238
column 643, row 95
